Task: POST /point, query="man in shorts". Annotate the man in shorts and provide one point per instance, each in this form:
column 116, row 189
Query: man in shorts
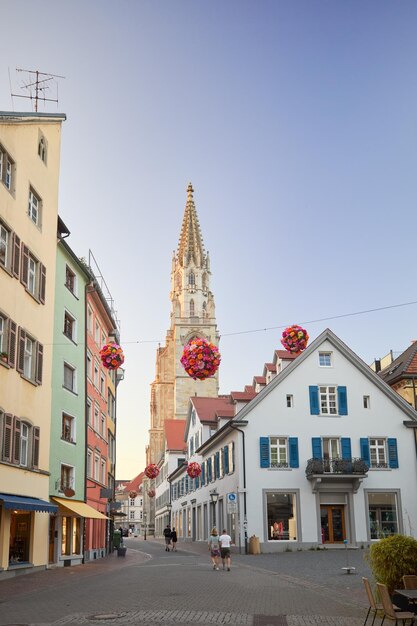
column 167, row 535
column 225, row 541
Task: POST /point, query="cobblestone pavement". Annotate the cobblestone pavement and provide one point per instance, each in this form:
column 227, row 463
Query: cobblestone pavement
column 150, row 586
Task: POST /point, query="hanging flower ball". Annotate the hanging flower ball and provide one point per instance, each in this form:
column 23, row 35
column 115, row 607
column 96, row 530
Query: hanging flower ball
column 200, row 359
column 295, row 339
column 152, row 470
column 132, row 495
column 194, row 469
column 112, row 356
column 151, row 493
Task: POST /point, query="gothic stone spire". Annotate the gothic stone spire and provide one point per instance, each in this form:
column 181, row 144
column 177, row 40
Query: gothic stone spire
column 190, row 246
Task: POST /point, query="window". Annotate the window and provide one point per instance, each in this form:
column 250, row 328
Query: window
column 289, row 401
column 30, row 357
column 34, row 207
column 19, row 443
column 42, row 149
column 103, row 472
column 103, row 426
column 89, row 364
column 132, row 501
column 111, row 405
column 96, row 418
column 97, row 333
column 331, row 451
column 67, row 477
column 33, row 275
column 325, row 359
column 70, row 279
column 70, row 324
column 96, row 374
column 102, row 384
column 89, row 463
column 68, row 423
column 132, row 515
column 281, row 515
column 7, row 167
column 90, row 320
column 192, row 310
column 278, row 452
column 70, row 378
column 89, row 412
column 24, row 444
column 96, row 467
column 366, row 402
column 383, row 514
column 5, row 246
column 378, row 453
column 70, row 535
column 328, row 405
column 191, row 279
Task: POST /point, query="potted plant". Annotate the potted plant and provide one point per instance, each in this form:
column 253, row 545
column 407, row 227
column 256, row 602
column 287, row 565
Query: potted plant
column 4, row 357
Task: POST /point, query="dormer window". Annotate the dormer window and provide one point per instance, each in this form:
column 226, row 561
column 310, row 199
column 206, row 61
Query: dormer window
column 325, row 359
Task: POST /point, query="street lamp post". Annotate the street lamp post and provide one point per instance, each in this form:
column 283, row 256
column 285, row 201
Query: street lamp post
column 169, row 507
column 214, row 497
column 144, row 519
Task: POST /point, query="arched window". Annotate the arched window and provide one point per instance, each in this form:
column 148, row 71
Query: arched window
column 191, row 279
column 204, row 309
column 192, row 311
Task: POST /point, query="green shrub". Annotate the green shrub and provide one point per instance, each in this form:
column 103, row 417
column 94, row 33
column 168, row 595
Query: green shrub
column 391, row 558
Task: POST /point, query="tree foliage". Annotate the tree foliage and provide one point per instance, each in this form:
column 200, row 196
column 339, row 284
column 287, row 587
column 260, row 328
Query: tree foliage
column 391, row 558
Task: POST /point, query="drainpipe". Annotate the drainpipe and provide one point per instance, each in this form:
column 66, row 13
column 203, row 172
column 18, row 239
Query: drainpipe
column 245, row 527
column 85, row 416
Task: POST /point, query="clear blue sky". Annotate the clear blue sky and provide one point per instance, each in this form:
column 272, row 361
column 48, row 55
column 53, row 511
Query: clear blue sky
column 295, row 122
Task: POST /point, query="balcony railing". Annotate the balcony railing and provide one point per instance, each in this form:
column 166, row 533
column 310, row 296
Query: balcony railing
column 356, row 467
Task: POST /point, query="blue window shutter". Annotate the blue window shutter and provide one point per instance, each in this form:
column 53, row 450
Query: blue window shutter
column 217, row 465
column 346, row 448
column 209, row 470
column 203, row 474
column 342, row 400
column 316, row 446
column 226, row 459
column 314, row 400
column 392, row 453
column 365, row 454
column 264, row 451
column 293, row 447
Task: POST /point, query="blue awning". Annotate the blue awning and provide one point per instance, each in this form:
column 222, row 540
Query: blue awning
column 22, row 503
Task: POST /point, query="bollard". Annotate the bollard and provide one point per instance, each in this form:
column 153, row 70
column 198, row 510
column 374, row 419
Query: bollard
column 348, row 568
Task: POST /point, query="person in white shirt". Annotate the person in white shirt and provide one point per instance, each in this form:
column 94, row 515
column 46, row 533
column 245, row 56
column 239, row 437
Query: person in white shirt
column 225, row 541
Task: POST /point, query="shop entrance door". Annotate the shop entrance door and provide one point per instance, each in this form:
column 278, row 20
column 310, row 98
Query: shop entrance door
column 52, row 521
column 332, row 524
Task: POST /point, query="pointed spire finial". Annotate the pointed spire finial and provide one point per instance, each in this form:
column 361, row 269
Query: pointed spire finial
column 190, row 246
column 190, row 190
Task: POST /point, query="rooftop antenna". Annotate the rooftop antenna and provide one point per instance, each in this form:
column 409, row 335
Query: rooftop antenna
column 37, row 86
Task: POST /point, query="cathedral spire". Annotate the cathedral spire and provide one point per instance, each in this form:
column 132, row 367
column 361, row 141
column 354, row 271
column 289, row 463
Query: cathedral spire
column 190, row 246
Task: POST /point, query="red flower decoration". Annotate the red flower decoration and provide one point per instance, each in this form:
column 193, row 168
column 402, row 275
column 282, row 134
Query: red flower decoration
column 194, row 469
column 112, row 356
column 151, row 493
column 295, row 339
column 152, row 470
column 200, row 359
column 132, row 495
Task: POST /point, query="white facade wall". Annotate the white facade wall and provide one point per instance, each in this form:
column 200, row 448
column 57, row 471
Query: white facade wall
column 384, row 419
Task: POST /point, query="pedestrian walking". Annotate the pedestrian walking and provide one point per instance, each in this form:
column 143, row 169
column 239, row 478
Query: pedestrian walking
column 174, row 539
column 225, row 540
column 167, row 535
column 214, row 548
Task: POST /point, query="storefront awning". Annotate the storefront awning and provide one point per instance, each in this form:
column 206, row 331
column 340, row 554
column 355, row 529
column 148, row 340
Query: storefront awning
column 80, row 508
column 22, row 503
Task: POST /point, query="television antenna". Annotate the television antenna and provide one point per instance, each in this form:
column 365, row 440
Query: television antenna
column 39, row 83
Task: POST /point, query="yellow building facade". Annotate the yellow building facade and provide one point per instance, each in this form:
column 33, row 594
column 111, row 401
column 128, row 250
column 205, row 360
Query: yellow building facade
column 29, row 174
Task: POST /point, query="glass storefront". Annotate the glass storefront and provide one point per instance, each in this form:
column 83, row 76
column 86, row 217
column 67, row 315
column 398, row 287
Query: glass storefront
column 70, row 535
column 383, row 514
column 282, row 516
column 20, row 529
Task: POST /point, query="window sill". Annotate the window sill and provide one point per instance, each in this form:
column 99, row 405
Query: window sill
column 280, row 469
column 32, row 295
column 381, row 469
column 7, row 270
column 5, row 364
column 22, row 565
column 30, row 380
column 72, row 293
column 71, row 441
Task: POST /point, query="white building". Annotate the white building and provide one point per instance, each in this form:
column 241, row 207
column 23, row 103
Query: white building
column 323, row 454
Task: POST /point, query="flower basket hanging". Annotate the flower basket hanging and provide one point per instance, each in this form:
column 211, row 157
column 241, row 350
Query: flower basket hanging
column 132, row 495
column 194, row 469
column 112, row 356
column 151, row 470
column 200, row 359
column 151, row 493
column 68, row 492
column 295, row 339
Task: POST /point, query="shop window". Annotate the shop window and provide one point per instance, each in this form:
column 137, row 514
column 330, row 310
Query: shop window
column 383, row 514
column 281, row 513
column 20, row 532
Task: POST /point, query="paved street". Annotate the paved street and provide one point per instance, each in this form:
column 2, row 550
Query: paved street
column 150, row 586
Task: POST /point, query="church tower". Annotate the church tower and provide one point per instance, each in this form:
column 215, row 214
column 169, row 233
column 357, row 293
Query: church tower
column 192, row 315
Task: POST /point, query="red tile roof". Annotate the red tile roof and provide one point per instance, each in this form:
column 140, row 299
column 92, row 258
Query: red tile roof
column 243, row 396
column 135, row 483
column 249, row 388
column 271, row 367
column 284, row 355
column 174, row 435
column 209, row 408
column 261, row 380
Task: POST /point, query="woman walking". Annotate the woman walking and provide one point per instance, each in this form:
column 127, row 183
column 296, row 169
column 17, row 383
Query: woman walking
column 214, row 548
column 174, row 540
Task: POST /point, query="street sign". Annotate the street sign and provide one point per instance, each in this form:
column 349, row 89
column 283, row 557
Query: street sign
column 231, row 502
